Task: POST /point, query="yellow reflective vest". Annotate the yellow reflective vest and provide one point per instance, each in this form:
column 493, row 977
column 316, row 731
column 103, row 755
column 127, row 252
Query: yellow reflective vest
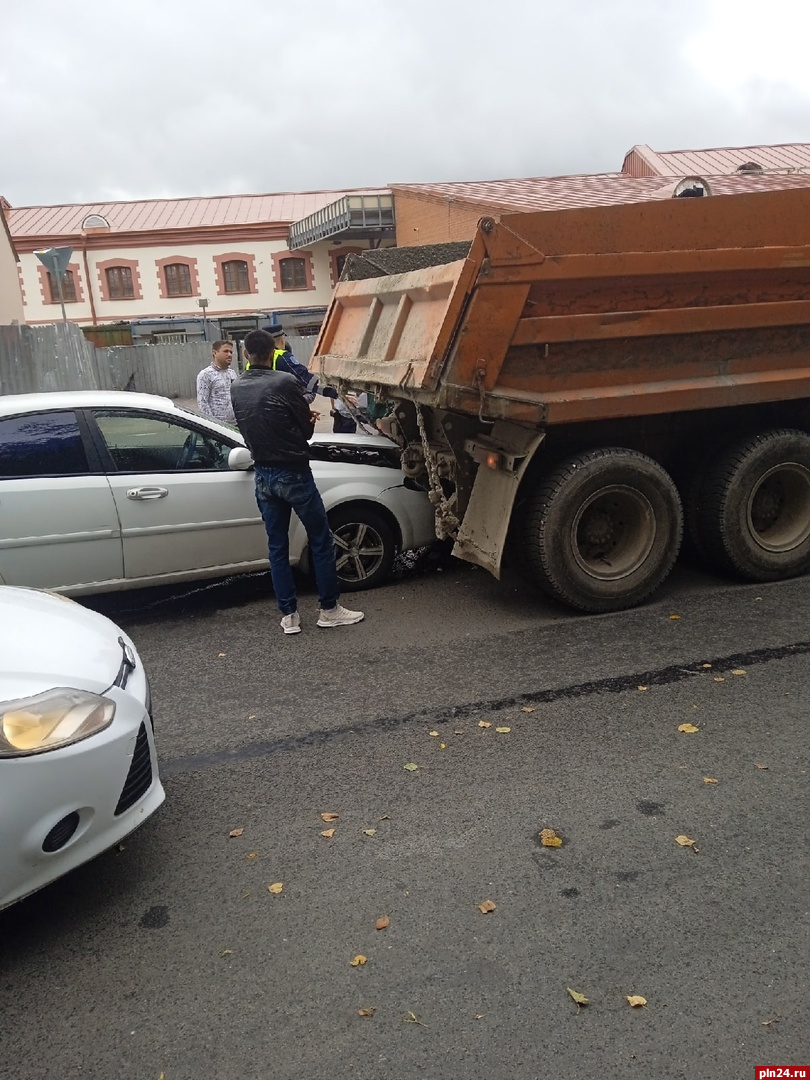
column 276, row 354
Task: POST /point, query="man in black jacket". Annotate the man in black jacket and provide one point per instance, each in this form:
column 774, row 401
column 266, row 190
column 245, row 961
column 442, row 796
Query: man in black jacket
column 276, row 423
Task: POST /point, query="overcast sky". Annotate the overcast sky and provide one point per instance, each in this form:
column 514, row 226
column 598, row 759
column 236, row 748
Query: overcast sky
column 108, row 100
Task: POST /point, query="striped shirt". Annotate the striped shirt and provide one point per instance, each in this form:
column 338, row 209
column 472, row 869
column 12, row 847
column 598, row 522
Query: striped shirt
column 214, row 393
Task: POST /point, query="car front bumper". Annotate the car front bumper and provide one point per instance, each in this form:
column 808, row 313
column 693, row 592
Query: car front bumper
column 61, row 808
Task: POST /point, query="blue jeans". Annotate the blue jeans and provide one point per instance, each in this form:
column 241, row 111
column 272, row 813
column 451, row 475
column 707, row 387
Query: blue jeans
column 279, row 491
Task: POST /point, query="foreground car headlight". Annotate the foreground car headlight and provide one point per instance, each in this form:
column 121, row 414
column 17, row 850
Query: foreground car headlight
column 50, row 720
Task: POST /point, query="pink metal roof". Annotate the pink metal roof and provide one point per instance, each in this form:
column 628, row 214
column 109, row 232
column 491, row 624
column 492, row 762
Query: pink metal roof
column 643, row 160
column 149, row 214
column 600, row 189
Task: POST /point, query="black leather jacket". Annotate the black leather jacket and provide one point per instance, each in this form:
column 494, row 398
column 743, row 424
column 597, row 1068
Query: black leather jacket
column 273, row 417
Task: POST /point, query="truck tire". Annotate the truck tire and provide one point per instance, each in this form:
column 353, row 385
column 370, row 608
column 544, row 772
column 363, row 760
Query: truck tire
column 753, row 507
column 602, row 530
column 365, row 546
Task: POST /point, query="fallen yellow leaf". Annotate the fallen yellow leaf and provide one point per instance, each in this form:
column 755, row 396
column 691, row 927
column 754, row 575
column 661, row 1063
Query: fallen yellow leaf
column 382, row 923
column 442, row 746
column 236, row 832
column 484, row 723
column 252, row 855
column 366, row 1012
column 706, row 665
column 275, row 888
column 503, row 730
column 226, row 952
column 369, row 832
column 739, row 671
column 222, row 654
column 642, row 688
column 433, row 734
column 761, row 766
column 548, row 838
column 674, row 617
column 327, row 834
column 486, row 906
column 684, row 841
column 710, row 780
column 359, row 960
column 718, row 678
column 329, row 817
column 527, row 708
column 580, row 999
column 690, row 729
column 410, row 766
column 635, row 1000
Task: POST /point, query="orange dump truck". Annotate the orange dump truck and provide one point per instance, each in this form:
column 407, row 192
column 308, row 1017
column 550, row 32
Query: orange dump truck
column 581, row 387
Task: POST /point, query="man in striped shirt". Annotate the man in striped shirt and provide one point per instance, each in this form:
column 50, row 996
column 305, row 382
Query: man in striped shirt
column 214, row 384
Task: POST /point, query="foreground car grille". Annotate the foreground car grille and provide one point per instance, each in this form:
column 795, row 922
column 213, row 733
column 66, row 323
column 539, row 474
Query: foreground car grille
column 139, row 777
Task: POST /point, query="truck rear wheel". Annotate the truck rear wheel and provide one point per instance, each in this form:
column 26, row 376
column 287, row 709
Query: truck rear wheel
column 753, row 507
column 603, row 529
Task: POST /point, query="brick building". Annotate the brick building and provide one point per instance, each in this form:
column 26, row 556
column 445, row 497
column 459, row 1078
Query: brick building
column 440, row 213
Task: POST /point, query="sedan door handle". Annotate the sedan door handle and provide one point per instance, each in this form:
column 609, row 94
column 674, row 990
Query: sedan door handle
column 147, row 493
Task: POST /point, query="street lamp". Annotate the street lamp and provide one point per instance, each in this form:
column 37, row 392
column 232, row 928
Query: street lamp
column 56, row 260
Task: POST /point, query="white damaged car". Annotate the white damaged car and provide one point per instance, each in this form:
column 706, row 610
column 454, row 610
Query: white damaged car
column 78, row 769
column 104, row 490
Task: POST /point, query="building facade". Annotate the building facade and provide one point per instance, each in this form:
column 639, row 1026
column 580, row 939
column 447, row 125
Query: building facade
column 181, row 267
column 447, row 212
column 11, row 303
column 175, row 260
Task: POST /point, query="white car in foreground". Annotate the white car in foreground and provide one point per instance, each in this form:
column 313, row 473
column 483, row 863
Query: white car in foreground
column 113, row 490
column 78, row 770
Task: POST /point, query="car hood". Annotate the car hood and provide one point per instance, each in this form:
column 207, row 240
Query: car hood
column 48, row 641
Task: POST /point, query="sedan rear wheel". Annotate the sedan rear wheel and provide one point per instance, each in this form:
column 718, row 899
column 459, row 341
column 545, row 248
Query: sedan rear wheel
column 365, row 547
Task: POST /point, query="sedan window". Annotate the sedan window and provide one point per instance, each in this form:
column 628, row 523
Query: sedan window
column 147, row 443
column 46, row 444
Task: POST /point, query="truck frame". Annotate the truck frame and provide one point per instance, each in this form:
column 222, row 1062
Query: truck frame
column 581, row 387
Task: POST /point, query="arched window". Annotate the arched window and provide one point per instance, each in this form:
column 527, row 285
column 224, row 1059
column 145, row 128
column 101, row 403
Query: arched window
column 119, row 283
column 178, row 279
column 68, row 287
column 293, row 273
column 236, row 277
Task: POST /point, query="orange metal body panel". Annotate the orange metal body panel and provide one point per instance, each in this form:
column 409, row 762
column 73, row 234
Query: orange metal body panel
column 565, row 316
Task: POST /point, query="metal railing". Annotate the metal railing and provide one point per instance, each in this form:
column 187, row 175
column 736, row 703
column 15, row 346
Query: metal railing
column 353, row 214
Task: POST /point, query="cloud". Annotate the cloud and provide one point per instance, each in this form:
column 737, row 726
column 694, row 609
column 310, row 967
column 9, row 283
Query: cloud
column 187, row 98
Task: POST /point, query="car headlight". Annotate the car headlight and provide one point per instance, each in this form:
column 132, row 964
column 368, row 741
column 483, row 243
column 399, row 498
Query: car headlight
column 50, row 720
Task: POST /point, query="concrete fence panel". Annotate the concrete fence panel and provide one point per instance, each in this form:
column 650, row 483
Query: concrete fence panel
column 57, row 356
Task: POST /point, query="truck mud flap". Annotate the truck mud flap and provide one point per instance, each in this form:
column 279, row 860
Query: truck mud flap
column 482, row 534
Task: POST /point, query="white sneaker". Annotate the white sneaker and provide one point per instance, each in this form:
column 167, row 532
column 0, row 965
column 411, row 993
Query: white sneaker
column 291, row 624
column 339, row 616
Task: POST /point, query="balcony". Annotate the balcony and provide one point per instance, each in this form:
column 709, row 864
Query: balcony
column 354, row 217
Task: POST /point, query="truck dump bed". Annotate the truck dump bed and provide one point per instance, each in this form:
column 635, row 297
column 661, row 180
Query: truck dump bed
column 565, row 316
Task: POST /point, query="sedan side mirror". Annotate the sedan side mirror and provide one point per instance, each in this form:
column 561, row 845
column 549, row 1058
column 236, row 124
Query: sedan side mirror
column 240, row 458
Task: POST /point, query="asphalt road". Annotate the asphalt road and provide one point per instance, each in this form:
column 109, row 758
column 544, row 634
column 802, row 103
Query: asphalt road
column 171, row 958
